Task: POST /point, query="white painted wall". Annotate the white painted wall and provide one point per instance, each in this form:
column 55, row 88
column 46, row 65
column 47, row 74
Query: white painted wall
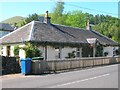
column 110, row 50
column 12, row 50
column 67, row 50
column 42, row 49
column 4, row 50
column 22, row 52
column 51, row 52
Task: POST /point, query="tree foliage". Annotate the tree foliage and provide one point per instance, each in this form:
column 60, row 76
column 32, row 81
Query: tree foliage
column 16, row 50
column 71, row 54
column 32, row 17
column 27, row 20
column 105, row 24
column 76, row 19
column 32, row 51
column 57, row 14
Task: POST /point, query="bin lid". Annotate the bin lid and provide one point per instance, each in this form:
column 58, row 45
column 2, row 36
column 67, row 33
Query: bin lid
column 22, row 59
column 35, row 58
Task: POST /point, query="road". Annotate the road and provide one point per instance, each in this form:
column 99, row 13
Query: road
column 99, row 77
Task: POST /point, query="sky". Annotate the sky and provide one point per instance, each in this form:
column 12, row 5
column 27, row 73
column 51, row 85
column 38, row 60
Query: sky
column 10, row 9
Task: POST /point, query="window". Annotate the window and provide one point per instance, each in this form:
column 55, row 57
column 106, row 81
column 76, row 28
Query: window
column 57, row 52
column 78, row 52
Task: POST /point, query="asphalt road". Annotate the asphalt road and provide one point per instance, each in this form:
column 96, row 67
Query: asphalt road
column 99, row 77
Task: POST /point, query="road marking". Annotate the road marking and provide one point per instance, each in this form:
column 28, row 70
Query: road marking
column 82, row 80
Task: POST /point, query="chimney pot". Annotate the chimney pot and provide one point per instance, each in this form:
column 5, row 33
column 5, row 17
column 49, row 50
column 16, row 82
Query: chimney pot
column 47, row 18
column 46, row 15
column 88, row 26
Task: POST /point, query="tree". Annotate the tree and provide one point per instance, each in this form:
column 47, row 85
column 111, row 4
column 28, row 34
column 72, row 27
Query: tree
column 58, row 10
column 21, row 23
column 57, row 15
column 27, row 20
column 31, row 18
column 76, row 19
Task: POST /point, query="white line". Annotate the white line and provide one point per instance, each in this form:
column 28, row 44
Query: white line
column 82, row 80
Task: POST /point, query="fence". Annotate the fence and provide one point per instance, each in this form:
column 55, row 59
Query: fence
column 39, row 66
column 9, row 65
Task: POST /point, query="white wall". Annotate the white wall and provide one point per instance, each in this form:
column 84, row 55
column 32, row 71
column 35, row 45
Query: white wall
column 12, row 50
column 51, row 53
column 110, row 50
column 67, row 50
column 42, row 49
column 4, row 50
column 22, row 52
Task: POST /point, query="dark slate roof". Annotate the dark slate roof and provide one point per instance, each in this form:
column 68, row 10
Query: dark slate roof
column 6, row 26
column 42, row 32
column 82, row 35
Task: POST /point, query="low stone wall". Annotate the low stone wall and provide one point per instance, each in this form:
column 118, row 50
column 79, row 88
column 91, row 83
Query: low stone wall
column 9, row 65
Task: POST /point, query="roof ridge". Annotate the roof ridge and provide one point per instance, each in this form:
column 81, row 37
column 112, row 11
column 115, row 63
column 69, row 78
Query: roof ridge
column 32, row 29
column 62, row 25
column 16, row 30
column 71, row 27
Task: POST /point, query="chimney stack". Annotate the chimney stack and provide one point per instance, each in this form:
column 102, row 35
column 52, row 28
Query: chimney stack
column 88, row 26
column 47, row 18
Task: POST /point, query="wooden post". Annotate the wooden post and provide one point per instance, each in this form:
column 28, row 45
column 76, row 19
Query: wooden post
column 94, row 50
column 81, row 52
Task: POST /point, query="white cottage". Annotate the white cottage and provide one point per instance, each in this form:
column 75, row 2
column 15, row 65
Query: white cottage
column 57, row 41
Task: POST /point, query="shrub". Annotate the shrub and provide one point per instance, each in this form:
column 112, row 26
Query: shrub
column 118, row 51
column 16, row 50
column 99, row 51
column 71, row 55
column 31, row 51
column 106, row 53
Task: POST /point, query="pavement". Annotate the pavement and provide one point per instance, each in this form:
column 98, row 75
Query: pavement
column 12, row 76
column 99, row 77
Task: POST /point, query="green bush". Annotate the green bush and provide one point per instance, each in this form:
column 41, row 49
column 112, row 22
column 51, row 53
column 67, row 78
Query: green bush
column 118, row 51
column 71, row 55
column 16, row 50
column 32, row 51
column 99, row 51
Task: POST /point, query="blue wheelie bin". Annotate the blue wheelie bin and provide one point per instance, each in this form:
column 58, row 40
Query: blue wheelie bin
column 26, row 66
